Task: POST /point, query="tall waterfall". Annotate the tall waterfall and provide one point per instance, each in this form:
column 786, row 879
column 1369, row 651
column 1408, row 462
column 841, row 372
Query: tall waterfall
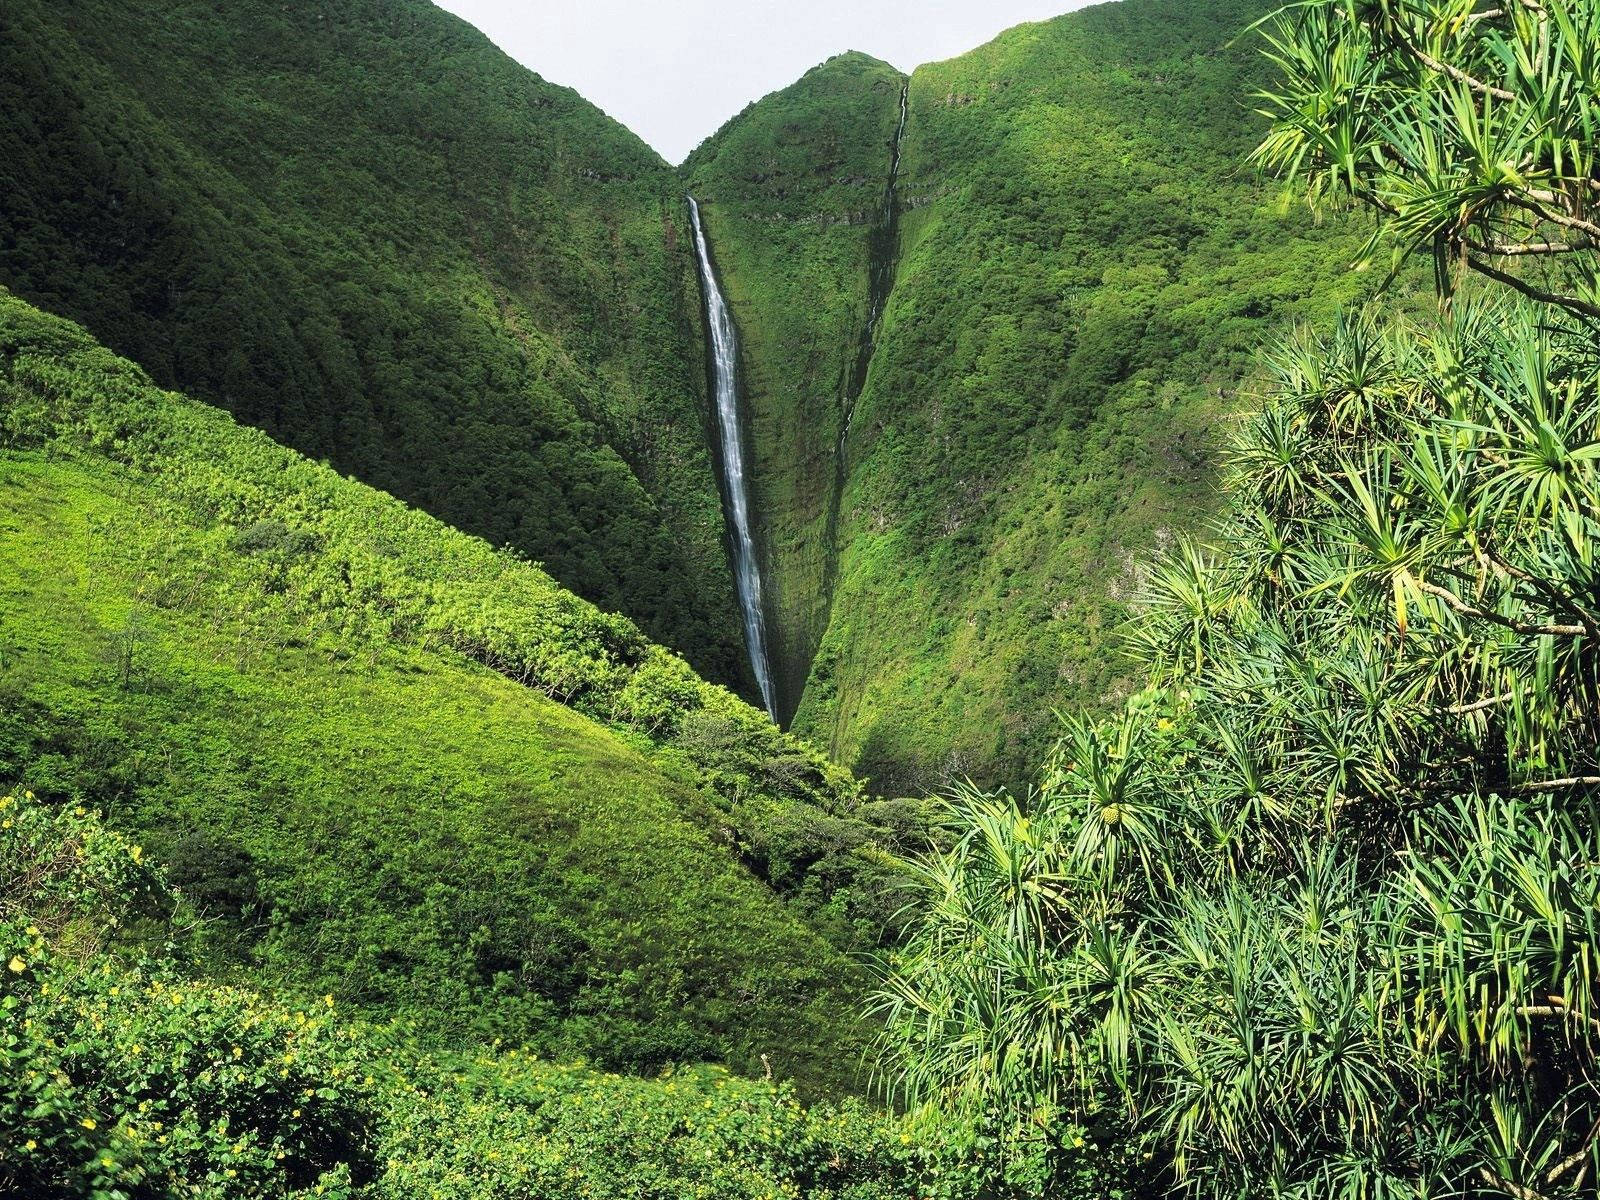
column 746, row 567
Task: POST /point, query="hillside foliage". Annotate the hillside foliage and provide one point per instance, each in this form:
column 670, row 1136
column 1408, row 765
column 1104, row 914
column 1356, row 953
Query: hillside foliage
column 1314, row 914
column 363, row 229
column 402, row 766
column 125, row 1077
column 1082, row 267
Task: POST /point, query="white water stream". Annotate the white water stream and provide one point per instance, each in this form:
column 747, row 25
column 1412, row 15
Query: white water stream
column 746, row 566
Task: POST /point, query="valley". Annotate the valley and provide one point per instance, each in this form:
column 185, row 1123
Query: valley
column 1023, row 629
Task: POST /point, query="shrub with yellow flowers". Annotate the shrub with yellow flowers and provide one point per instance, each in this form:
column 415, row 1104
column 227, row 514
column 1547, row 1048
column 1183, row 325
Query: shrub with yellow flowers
column 119, row 1078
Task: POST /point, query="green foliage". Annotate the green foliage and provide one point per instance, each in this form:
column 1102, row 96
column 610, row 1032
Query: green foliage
column 1081, row 270
column 1470, row 131
column 128, row 1081
column 122, row 1078
column 370, row 233
column 1318, row 908
column 338, row 720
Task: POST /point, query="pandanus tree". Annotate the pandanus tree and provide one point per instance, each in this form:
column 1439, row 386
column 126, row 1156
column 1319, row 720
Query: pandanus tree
column 1317, row 912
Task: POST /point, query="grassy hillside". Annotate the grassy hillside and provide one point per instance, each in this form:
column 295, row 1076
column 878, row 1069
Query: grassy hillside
column 1084, row 265
column 363, row 229
column 338, row 721
column 129, row 1076
column 792, row 191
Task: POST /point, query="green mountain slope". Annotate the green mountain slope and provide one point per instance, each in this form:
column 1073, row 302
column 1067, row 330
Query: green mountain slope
column 1083, row 267
column 364, row 229
column 792, row 192
column 337, row 720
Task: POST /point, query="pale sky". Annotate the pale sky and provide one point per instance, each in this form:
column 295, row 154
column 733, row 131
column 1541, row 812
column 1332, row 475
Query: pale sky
column 674, row 71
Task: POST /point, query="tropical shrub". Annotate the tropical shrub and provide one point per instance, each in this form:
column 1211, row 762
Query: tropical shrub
column 125, row 1077
column 122, row 1079
column 1314, row 914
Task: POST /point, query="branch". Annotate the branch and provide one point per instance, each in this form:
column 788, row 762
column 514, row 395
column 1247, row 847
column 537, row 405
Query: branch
column 1506, row 1186
column 1573, row 1159
column 1556, row 785
column 1549, row 591
column 1516, row 249
column 1558, row 1008
column 1539, row 198
column 1459, row 605
column 1456, row 73
column 1570, row 303
column 1477, row 705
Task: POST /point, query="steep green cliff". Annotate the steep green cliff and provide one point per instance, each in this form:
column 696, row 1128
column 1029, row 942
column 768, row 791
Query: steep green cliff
column 1083, row 267
column 793, row 192
column 364, row 229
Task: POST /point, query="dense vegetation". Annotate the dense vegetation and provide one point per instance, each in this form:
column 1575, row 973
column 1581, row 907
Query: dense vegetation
column 1085, row 270
column 977, row 389
column 123, row 1076
column 793, row 192
column 376, row 749
column 342, row 853
column 363, row 229
column 1081, row 269
column 1314, row 914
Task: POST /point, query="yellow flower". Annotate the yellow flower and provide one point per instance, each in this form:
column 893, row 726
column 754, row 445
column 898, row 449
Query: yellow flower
column 30, row 1144
column 88, row 1123
column 137, row 852
column 328, row 1000
column 17, row 965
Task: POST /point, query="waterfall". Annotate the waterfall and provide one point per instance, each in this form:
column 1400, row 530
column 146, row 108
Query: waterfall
column 746, row 567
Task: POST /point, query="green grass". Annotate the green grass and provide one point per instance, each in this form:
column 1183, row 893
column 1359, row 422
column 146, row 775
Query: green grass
column 279, row 680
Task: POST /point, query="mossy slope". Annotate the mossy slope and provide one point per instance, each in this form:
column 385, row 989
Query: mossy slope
column 264, row 671
column 792, row 191
column 1084, row 267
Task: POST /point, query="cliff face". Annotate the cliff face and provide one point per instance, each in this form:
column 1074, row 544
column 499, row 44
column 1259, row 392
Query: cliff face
column 793, row 193
column 1077, row 270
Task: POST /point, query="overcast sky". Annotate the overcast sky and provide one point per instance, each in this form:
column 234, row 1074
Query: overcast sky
column 674, row 71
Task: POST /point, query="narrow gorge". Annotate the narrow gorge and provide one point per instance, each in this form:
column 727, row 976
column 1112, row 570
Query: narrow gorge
column 797, row 198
